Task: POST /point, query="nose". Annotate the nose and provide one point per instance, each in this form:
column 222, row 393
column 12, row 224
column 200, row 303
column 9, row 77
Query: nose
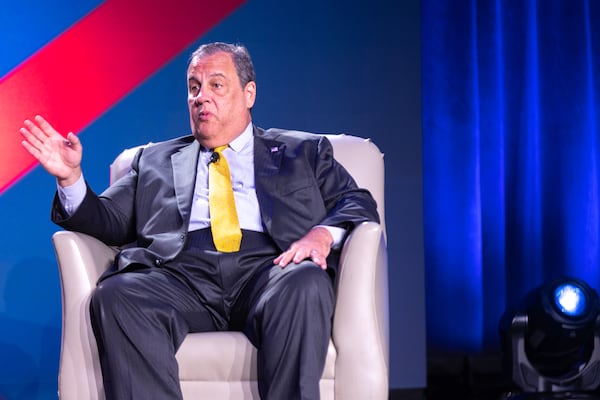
column 202, row 96
column 197, row 100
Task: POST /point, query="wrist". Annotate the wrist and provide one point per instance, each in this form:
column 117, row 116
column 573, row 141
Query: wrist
column 71, row 179
column 324, row 235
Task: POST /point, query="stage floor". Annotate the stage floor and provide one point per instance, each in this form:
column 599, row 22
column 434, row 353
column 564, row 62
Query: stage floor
column 474, row 378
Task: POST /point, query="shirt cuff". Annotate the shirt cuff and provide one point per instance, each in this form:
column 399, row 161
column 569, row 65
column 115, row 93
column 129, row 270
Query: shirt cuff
column 72, row 196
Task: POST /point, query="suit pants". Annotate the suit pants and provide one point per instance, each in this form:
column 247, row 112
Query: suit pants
column 141, row 316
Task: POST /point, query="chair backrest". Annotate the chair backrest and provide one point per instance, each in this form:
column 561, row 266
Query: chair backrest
column 360, row 156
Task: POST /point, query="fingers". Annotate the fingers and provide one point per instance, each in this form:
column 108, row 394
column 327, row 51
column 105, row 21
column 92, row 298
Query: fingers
column 60, row 156
column 38, row 131
column 34, row 137
column 288, row 256
column 318, row 259
column 40, row 128
column 30, row 149
column 33, row 134
column 315, row 245
column 297, row 254
column 281, row 260
column 45, row 125
column 72, row 140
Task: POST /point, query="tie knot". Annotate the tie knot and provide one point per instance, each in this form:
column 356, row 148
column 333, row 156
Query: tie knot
column 220, row 148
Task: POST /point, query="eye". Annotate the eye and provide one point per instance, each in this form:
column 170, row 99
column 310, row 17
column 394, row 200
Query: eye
column 194, row 89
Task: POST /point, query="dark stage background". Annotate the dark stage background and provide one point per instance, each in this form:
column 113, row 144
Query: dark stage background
column 510, row 164
column 510, row 146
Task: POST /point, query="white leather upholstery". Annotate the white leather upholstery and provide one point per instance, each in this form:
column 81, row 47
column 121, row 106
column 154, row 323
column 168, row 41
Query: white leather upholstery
column 222, row 365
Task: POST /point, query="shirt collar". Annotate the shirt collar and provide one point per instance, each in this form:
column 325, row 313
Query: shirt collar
column 239, row 142
column 242, row 140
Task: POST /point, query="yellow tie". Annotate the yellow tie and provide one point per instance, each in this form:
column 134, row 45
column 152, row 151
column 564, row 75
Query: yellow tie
column 224, row 222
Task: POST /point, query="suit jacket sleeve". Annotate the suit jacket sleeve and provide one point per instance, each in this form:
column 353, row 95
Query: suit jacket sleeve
column 109, row 218
column 347, row 205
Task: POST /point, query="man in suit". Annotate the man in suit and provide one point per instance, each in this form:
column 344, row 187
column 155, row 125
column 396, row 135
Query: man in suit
column 295, row 205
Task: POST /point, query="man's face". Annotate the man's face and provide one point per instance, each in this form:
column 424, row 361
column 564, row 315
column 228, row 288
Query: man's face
column 219, row 107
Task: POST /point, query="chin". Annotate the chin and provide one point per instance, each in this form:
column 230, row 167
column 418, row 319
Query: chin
column 204, row 137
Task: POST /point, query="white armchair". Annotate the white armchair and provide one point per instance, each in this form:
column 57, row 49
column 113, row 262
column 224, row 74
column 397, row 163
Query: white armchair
column 222, row 365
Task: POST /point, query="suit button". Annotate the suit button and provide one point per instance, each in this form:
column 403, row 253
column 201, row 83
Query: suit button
column 182, row 237
column 158, row 262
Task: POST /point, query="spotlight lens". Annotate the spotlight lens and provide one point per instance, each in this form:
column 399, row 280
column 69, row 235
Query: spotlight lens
column 570, row 300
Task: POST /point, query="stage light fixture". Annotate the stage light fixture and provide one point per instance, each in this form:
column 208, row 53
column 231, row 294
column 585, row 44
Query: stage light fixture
column 551, row 341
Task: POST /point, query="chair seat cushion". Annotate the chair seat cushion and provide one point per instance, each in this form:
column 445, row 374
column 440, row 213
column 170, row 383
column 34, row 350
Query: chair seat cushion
column 226, row 356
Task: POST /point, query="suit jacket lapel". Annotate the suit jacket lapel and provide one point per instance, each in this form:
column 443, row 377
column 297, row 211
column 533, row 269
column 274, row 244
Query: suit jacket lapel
column 185, row 163
column 268, row 154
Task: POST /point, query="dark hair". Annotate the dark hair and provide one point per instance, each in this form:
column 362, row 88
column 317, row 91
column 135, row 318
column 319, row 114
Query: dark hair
column 239, row 54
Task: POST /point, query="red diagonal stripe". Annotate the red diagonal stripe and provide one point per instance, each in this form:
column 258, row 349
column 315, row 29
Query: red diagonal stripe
column 92, row 65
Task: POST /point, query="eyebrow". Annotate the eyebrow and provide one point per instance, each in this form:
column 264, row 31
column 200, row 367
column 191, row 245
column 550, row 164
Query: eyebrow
column 215, row 74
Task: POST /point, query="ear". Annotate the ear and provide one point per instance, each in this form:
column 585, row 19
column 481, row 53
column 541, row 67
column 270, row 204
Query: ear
column 250, row 94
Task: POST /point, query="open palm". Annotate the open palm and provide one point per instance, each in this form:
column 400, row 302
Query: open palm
column 59, row 156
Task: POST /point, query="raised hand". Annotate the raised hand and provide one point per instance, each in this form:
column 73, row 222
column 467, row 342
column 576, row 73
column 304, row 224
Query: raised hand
column 59, row 156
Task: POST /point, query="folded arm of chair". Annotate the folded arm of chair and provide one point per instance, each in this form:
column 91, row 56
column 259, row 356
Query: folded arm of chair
column 81, row 261
column 361, row 321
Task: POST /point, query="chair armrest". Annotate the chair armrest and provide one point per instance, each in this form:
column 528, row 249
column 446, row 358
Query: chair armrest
column 81, row 261
column 361, row 321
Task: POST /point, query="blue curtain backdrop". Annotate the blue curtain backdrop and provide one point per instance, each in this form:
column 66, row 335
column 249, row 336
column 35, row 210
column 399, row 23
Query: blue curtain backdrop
column 511, row 91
